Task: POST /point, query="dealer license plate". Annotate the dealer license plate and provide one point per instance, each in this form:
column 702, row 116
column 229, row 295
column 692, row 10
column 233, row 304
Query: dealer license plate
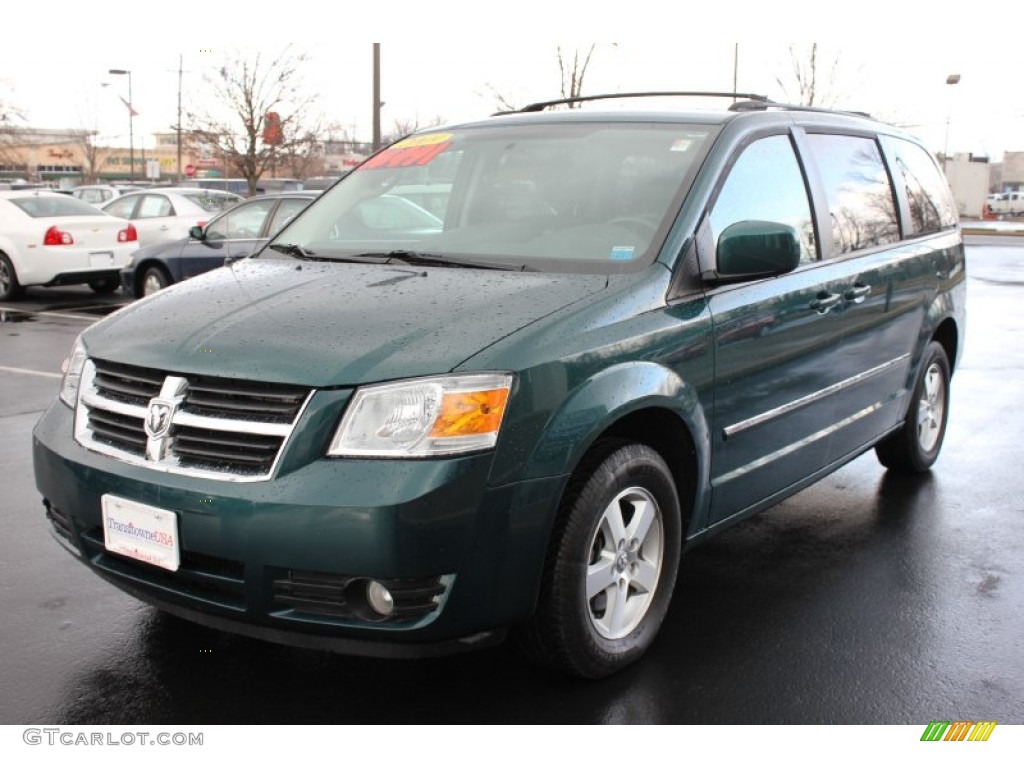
column 142, row 532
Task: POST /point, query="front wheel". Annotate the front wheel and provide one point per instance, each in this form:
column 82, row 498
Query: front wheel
column 916, row 446
column 153, row 279
column 612, row 564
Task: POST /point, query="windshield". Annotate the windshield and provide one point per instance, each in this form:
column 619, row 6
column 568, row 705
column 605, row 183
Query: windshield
column 594, row 197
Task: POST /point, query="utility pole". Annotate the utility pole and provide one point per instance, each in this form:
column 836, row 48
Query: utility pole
column 180, row 62
column 376, row 96
column 735, row 68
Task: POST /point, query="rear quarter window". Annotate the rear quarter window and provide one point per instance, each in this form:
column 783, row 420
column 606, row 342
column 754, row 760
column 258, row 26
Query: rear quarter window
column 930, row 204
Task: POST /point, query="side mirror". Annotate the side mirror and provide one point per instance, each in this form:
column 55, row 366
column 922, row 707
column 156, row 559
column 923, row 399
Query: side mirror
column 753, row 249
column 196, row 233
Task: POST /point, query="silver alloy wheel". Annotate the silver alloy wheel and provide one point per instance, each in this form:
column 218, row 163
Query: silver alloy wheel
column 5, row 277
column 151, row 284
column 931, row 409
column 625, row 563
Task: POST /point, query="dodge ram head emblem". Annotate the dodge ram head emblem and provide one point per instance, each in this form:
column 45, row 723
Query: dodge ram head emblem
column 158, row 420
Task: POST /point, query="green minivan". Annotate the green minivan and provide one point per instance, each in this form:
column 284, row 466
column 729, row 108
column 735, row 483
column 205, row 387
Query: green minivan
column 509, row 402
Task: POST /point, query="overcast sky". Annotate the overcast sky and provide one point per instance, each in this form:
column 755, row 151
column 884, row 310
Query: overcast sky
column 449, row 59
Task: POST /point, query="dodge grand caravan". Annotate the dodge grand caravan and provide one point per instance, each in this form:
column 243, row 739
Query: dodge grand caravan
column 404, row 430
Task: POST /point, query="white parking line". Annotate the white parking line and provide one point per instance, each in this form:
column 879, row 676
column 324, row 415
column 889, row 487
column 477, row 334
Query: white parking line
column 67, row 315
column 29, row 372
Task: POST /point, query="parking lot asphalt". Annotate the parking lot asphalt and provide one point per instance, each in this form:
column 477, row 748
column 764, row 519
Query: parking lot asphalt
column 864, row 599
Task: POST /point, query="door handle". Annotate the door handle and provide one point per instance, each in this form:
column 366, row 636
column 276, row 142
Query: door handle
column 825, row 301
column 858, row 293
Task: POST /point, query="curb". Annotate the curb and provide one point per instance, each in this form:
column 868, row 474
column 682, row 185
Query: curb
column 996, row 232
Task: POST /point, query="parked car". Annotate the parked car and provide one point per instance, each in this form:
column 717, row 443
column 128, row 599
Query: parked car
column 632, row 330
column 1011, row 203
column 233, row 234
column 98, row 194
column 169, row 213
column 51, row 239
column 322, row 182
column 241, row 186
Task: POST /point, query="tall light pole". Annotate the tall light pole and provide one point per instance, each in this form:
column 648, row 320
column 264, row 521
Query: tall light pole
column 131, row 123
column 950, row 80
column 377, row 103
column 180, row 61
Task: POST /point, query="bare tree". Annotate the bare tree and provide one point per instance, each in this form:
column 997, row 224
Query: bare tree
column 265, row 118
column 572, row 68
column 405, row 127
column 572, row 73
column 813, row 80
column 306, row 158
column 502, row 102
column 10, row 119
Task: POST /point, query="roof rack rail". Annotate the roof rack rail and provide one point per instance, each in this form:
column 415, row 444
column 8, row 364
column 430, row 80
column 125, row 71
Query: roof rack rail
column 754, row 105
column 540, row 106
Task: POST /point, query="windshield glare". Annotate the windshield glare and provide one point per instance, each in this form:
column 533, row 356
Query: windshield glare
column 579, row 197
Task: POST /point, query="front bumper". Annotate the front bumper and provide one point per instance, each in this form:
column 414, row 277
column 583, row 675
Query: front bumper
column 247, row 549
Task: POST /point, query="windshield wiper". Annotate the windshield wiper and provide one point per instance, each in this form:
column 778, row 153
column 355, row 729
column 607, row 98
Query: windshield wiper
column 440, row 260
column 293, row 250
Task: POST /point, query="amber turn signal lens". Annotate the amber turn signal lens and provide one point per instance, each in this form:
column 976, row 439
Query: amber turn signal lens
column 470, row 413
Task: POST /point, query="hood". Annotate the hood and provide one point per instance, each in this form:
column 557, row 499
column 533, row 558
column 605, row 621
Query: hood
column 330, row 324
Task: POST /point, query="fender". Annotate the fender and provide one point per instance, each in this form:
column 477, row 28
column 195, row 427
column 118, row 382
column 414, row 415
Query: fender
column 606, row 398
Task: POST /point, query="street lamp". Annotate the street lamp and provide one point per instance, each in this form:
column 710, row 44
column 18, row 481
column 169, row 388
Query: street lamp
column 131, row 125
column 950, row 80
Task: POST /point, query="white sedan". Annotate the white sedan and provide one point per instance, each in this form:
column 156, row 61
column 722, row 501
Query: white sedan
column 51, row 239
column 169, row 213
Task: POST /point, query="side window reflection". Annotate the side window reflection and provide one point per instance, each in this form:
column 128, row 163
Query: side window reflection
column 766, row 184
column 860, row 199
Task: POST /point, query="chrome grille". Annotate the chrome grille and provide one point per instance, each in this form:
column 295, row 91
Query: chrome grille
column 270, row 403
column 209, row 447
column 221, row 428
column 127, row 383
column 118, row 430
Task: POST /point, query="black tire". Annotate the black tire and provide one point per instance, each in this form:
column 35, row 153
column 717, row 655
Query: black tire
column 154, row 278
column 575, row 629
column 105, row 285
column 10, row 288
column 915, row 447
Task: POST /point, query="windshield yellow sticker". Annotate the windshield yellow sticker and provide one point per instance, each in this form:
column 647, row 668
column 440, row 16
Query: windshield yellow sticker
column 415, row 150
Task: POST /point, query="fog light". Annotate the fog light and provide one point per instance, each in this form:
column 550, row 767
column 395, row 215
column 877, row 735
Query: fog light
column 379, row 599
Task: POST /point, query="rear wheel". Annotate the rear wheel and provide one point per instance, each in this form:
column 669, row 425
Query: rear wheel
column 10, row 288
column 153, row 279
column 916, row 446
column 105, row 285
column 612, row 564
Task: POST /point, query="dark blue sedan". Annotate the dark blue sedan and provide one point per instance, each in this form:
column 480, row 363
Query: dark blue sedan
column 235, row 234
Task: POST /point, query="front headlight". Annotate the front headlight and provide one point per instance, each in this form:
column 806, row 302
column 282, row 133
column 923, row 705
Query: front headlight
column 424, row 417
column 72, row 368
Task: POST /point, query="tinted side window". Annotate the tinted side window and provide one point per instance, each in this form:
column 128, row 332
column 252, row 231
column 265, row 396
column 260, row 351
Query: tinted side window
column 245, row 221
column 857, row 187
column 286, row 211
column 766, row 184
column 928, row 196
